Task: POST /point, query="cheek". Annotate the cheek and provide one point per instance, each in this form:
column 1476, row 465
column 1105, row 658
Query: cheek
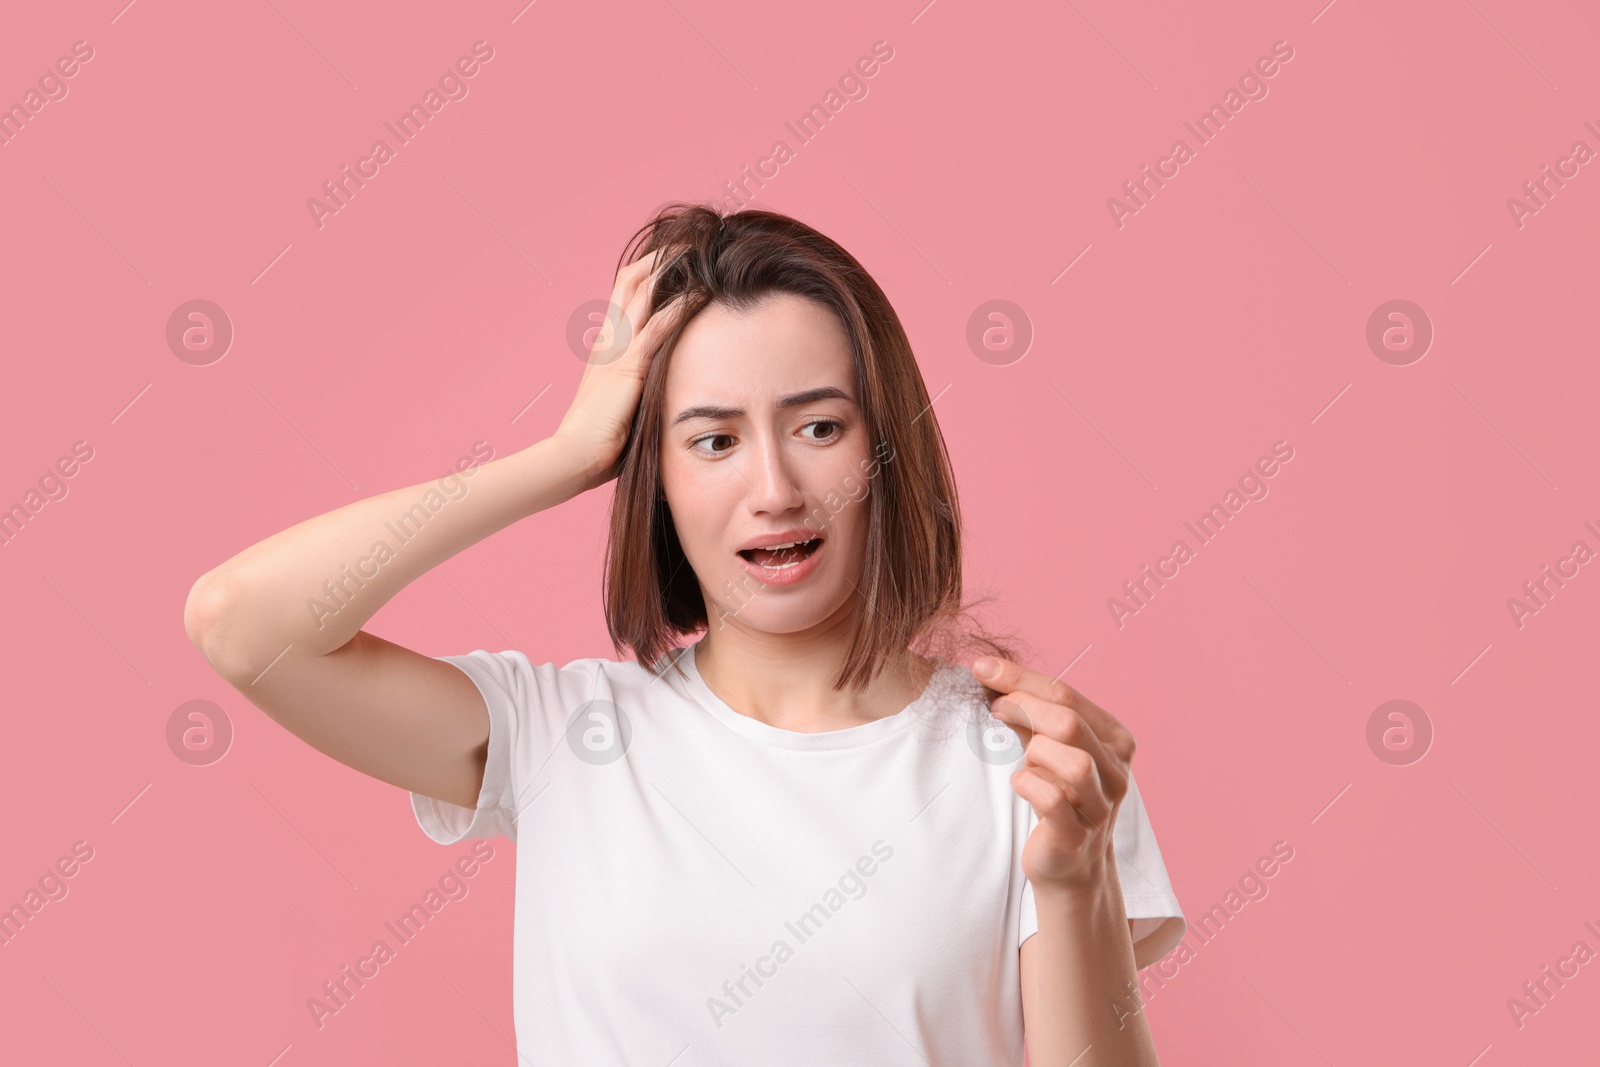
column 854, row 483
column 701, row 501
column 680, row 485
column 848, row 508
column 842, row 470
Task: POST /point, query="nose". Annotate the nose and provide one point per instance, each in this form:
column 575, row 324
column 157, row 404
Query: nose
column 772, row 488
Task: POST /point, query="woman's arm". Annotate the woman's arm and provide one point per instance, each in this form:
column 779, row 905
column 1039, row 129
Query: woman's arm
column 1080, row 993
column 281, row 621
column 1078, row 970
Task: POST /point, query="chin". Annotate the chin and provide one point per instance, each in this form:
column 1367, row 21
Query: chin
column 783, row 621
column 775, row 612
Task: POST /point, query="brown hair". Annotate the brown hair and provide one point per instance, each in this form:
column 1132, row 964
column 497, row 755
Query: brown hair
column 910, row 591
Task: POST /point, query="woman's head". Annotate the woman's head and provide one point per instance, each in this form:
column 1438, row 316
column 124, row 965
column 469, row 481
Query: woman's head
column 787, row 398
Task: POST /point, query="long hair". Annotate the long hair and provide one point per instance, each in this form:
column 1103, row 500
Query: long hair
column 910, row 593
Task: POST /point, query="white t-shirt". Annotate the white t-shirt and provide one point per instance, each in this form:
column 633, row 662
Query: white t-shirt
column 695, row 887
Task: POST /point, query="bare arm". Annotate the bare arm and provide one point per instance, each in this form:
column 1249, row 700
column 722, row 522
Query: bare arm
column 281, row 621
column 1080, row 992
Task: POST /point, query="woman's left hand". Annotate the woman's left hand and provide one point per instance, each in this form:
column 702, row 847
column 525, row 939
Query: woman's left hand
column 1074, row 772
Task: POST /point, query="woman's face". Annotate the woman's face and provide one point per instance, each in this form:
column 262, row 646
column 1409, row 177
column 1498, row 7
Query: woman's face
column 761, row 435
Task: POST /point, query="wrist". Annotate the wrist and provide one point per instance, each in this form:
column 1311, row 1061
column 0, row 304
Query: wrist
column 1089, row 888
column 580, row 463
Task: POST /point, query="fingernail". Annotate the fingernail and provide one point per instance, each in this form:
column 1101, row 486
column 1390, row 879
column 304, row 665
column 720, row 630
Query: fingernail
column 985, row 665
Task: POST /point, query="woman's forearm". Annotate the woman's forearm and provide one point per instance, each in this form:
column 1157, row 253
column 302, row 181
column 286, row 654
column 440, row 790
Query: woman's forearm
column 1087, row 983
column 317, row 583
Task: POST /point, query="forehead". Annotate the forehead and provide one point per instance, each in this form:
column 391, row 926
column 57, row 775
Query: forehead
column 783, row 344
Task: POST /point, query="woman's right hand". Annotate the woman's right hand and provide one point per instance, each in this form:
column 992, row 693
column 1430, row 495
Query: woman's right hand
column 596, row 424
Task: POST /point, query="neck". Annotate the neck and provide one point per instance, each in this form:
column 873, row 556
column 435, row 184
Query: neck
column 786, row 679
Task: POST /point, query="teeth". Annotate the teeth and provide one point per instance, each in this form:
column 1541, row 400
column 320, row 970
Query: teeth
column 778, row 548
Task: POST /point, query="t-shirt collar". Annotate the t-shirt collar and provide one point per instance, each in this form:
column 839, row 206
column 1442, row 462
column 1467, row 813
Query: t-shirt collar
column 849, row 737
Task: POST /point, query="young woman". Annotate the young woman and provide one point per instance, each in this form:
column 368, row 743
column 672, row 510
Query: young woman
column 803, row 838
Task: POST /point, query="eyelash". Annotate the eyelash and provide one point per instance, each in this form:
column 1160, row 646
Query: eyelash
column 814, row 422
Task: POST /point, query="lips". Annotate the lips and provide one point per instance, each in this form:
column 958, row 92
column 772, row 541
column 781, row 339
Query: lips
column 782, row 553
column 793, row 535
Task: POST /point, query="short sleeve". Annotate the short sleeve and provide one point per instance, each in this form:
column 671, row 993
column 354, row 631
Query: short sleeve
column 1147, row 893
column 527, row 711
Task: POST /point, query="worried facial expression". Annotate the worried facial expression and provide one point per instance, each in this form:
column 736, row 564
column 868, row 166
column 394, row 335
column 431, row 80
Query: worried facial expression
column 763, row 443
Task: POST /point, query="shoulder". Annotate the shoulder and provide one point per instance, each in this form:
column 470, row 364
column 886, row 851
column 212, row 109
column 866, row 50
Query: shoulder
column 525, row 682
column 952, row 690
column 953, row 716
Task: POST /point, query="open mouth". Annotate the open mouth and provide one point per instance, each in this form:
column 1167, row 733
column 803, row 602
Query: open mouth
column 781, row 557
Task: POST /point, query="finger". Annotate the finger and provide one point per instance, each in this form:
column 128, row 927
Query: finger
column 1074, row 772
column 643, row 347
column 635, row 312
column 637, row 308
column 1011, row 677
column 628, row 278
column 1064, row 726
column 644, row 265
column 632, row 278
column 1047, row 798
column 1007, row 676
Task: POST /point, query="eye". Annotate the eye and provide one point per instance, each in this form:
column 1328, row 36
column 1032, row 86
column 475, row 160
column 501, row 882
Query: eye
column 837, row 426
column 711, row 437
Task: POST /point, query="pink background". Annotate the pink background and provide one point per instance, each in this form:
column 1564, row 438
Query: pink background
column 1227, row 314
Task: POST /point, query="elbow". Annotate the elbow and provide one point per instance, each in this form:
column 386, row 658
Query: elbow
column 206, row 605
column 209, row 617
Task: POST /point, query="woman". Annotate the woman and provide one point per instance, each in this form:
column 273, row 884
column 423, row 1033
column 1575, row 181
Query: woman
column 802, row 838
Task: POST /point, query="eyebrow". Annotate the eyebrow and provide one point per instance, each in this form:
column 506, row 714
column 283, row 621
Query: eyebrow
column 711, row 411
